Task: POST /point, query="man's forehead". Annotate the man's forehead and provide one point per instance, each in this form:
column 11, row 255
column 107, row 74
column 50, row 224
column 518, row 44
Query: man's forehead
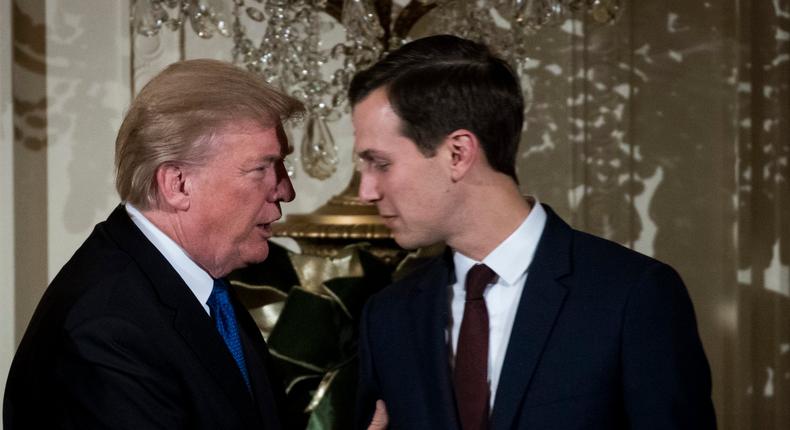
column 274, row 135
column 377, row 103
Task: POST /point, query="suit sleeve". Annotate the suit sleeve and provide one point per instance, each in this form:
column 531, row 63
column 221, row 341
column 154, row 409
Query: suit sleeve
column 368, row 389
column 113, row 380
column 666, row 377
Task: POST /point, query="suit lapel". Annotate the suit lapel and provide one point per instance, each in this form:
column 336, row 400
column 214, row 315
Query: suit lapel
column 204, row 340
column 539, row 306
column 429, row 312
column 190, row 319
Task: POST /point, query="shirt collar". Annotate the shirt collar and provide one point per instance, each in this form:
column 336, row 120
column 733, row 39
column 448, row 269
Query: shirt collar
column 197, row 279
column 511, row 258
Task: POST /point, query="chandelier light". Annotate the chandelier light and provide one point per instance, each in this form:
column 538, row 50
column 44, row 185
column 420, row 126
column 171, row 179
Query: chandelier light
column 284, row 41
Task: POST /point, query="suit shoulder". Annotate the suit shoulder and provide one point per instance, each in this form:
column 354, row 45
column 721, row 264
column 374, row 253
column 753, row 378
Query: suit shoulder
column 415, row 277
column 601, row 265
column 393, row 297
column 604, row 253
column 88, row 287
column 96, row 278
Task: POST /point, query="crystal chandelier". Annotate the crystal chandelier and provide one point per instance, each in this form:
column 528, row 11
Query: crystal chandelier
column 284, row 41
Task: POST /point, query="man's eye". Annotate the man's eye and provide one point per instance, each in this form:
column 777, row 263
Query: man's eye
column 363, row 164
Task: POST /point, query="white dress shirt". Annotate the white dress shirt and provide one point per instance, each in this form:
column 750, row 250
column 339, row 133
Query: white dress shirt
column 197, row 279
column 510, row 261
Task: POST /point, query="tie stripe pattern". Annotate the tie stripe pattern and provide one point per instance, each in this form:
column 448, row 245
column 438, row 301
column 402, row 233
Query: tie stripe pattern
column 471, row 358
column 227, row 326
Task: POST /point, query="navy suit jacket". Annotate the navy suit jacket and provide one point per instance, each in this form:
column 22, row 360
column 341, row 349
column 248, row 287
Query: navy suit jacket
column 119, row 341
column 604, row 338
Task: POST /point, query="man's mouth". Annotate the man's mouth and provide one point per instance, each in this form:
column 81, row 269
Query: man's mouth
column 388, row 219
column 265, row 228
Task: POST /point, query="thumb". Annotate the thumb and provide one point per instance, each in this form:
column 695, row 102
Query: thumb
column 380, row 417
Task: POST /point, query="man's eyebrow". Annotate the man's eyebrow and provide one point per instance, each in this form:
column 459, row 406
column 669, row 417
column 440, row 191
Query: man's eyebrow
column 288, row 150
column 369, row 154
column 271, row 158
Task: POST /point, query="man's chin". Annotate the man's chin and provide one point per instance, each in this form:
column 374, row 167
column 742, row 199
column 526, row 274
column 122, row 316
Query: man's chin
column 409, row 242
column 257, row 255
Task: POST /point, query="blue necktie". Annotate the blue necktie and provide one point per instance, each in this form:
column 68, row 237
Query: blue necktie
column 225, row 320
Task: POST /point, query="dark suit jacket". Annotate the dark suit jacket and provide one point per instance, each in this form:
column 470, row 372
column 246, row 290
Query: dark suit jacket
column 119, row 341
column 604, row 338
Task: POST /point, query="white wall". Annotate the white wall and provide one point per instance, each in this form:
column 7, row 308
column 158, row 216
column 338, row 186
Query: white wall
column 7, row 341
column 87, row 94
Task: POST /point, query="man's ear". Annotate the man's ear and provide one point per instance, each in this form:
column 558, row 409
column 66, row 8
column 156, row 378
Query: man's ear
column 171, row 181
column 465, row 149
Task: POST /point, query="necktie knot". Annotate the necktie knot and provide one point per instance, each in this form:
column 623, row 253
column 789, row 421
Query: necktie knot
column 219, row 294
column 478, row 277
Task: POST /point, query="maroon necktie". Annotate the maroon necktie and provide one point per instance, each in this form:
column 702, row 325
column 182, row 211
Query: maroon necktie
column 471, row 357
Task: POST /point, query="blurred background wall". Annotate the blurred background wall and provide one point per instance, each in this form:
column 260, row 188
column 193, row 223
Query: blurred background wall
column 666, row 131
column 7, row 298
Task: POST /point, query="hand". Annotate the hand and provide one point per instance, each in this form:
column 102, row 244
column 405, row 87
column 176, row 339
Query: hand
column 380, row 418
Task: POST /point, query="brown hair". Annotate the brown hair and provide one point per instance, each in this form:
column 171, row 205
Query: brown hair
column 176, row 115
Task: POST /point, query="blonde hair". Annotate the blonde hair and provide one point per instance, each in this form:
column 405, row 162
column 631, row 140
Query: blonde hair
column 176, row 115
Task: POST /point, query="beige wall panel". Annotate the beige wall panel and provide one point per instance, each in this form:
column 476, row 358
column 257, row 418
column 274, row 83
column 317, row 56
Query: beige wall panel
column 30, row 158
column 87, row 94
column 683, row 128
column 7, row 311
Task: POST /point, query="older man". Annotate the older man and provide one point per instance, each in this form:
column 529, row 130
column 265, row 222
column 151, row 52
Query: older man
column 139, row 330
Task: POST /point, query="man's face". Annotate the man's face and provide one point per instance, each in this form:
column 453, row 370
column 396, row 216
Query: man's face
column 409, row 189
column 235, row 197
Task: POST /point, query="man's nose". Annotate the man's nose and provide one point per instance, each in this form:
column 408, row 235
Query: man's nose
column 368, row 188
column 285, row 189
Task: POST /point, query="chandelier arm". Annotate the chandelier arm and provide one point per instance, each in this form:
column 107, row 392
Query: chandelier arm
column 384, row 11
column 409, row 16
column 334, row 8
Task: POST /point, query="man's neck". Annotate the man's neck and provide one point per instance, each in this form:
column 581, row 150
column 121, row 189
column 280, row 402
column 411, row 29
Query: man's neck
column 498, row 210
column 174, row 225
